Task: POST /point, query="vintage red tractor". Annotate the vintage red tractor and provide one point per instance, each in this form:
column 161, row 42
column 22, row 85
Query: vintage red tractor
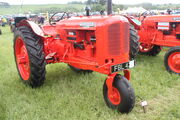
column 159, row 31
column 86, row 44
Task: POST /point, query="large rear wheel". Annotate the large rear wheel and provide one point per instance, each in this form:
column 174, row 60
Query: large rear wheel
column 122, row 97
column 172, row 60
column 134, row 42
column 29, row 56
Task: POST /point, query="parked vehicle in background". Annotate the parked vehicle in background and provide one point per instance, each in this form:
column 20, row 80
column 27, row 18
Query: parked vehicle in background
column 162, row 31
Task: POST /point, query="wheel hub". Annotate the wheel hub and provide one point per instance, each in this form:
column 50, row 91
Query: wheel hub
column 174, row 62
column 114, row 96
column 145, row 47
column 22, row 59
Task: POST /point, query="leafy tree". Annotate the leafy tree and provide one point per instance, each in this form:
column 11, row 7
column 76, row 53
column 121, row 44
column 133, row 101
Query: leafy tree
column 102, row 2
column 98, row 7
column 4, row 4
column 147, row 5
column 75, row 2
column 115, row 7
column 56, row 9
column 89, row 2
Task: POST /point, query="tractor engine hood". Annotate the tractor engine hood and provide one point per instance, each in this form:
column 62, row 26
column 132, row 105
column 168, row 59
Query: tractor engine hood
column 163, row 18
column 90, row 22
column 83, row 23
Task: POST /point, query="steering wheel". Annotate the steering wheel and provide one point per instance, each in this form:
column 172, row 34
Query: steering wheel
column 51, row 18
column 144, row 14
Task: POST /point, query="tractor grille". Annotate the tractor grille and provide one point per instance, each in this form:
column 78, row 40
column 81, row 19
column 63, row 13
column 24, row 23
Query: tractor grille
column 118, row 38
column 114, row 39
column 125, row 38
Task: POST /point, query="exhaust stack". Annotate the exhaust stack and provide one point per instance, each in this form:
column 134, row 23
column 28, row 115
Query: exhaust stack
column 109, row 7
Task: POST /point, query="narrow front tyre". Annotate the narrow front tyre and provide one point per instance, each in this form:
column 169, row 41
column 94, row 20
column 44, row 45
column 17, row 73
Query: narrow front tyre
column 122, row 96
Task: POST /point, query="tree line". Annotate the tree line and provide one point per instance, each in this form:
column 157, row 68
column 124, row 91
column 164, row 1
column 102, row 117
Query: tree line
column 98, row 5
column 4, row 4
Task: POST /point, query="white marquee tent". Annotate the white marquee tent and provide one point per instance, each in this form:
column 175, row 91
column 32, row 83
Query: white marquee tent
column 134, row 10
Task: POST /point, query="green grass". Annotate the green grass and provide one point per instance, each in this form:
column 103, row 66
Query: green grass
column 16, row 9
column 69, row 96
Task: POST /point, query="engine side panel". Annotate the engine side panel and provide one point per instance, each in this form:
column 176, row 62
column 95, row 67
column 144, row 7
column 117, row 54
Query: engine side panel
column 92, row 43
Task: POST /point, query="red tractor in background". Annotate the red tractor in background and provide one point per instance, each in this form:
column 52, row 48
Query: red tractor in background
column 159, row 31
column 106, row 44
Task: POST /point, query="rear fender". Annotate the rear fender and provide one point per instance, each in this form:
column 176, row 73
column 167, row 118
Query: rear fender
column 36, row 28
column 136, row 26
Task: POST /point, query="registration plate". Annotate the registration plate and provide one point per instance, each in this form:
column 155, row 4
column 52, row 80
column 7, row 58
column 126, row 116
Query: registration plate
column 119, row 67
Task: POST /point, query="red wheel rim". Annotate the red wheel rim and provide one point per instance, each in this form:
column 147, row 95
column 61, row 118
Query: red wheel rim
column 22, row 59
column 174, row 62
column 145, row 47
column 114, row 96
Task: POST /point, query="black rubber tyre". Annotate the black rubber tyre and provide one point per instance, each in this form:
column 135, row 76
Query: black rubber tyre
column 153, row 52
column 34, row 46
column 134, row 43
column 0, row 32
column 166, row 57
column 126, row 92
column 79, row 70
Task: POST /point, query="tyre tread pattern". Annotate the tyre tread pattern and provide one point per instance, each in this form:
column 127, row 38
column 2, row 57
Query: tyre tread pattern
column 126, row 92
column 34, row 46
column 168, row 53
column 134, row 42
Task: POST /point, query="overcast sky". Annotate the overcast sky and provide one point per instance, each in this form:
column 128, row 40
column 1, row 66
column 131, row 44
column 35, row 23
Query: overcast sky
column 65, row 1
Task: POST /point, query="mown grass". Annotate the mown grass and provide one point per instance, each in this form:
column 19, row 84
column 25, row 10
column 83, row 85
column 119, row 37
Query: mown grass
column 17, row 9
column 70, row 96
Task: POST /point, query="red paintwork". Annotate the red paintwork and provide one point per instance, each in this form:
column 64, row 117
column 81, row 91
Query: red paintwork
column 110, row 48
column 114, row 96
column 127, row 74
column 96, row 55
column 22, row 58
column 161, row 30
column 174, row 62
column 149, row 33
column 136, row 26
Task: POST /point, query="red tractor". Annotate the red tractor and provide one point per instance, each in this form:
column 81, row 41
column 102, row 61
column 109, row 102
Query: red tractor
column 86, row 44
column 159, row 31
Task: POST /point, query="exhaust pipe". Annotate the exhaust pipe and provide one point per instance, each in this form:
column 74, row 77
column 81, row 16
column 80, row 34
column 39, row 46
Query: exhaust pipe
column 109, row 7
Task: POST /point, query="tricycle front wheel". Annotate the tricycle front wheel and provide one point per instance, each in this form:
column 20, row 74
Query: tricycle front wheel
column 122, row 96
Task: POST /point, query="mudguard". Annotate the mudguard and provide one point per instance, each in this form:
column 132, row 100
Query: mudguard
column 36, row 28
column 134, row 22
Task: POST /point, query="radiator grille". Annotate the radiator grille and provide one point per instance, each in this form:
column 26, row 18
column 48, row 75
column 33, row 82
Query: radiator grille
column 114, row 39
column 125, row 36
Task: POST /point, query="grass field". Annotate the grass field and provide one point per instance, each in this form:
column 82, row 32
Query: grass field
column 16, row 9
column 70, row 96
